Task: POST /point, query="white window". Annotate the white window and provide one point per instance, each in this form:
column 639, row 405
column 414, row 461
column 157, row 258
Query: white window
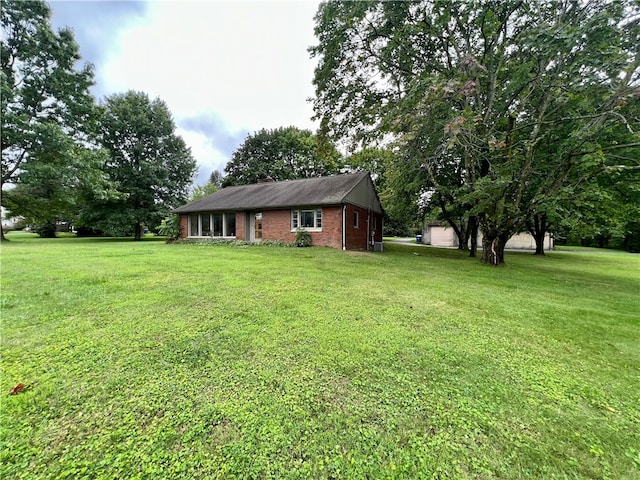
column 212, row 225
column 356, row 219
column 307, row 219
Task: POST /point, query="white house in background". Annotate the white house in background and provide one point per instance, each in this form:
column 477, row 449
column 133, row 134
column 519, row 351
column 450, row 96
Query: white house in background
column 440, row 235
column 9, row 222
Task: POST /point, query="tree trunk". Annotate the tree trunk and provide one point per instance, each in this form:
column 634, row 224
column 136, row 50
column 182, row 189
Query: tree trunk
column 2, row 237
column 493, row 249
column 463, row 239
column 460, row 230
column 538, row 231
column 473, row 235
column 138, row 232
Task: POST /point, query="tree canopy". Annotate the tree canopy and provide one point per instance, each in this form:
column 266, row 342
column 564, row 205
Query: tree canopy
column 281, row 154
column 499, row 106
column 46, row 107
column 212, row 186
column 150, row 165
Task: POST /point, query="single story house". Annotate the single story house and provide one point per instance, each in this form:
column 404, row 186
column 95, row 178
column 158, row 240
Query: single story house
column 339, row 211
column 441, row 235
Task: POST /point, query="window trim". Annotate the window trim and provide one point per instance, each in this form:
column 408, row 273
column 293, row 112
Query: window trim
column 296, row 215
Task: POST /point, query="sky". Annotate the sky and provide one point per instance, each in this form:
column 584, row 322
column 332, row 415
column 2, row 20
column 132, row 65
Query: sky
column 225, row 69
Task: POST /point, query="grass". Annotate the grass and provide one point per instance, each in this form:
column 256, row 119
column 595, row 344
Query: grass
column 147, row 360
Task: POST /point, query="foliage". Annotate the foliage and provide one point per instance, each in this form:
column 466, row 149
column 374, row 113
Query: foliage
column 499, row 105
column 216, row 178
column 234, row 243
column 303, row 363
column 150, row 164
column 57, row 178
column 212, row 186
column 399, row 216
column 601, row 214
column 200, row 191
column 170, row 228
column 281, row 154
column 303, row 238
column 43, row 95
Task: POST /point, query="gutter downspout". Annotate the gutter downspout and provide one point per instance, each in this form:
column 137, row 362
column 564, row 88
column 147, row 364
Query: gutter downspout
column 344, row 230
column 368, row 228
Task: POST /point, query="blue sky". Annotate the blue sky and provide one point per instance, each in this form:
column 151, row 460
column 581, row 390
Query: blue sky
column 225, row 69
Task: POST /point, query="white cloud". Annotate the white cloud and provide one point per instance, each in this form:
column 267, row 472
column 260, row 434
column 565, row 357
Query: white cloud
column 224, row 69
column 245, row 61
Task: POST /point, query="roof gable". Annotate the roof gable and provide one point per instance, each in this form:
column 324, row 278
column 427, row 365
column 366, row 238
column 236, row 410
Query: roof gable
column 318, row 191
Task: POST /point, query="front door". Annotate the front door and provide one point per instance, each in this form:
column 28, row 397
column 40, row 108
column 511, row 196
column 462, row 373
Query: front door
column 255, row 227
column 258, row 227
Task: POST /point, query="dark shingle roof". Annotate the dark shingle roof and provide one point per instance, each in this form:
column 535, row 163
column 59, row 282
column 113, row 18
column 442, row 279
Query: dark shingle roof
column 319, row 191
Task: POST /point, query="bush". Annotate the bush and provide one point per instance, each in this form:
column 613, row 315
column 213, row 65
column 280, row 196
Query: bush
column 48, row 230
column 303, row 238
column 170, row 228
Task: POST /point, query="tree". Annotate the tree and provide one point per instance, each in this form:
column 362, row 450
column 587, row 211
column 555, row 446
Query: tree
column 42, row 91
column 56, row 179
column 606, row 213
column 148, row 163
column 200, row 191
column 212, row 186
column 519, row 97
column 281, row 154
column 216, row 178
column 397, row 194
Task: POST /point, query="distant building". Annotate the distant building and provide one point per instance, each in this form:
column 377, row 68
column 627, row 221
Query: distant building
column 9, row 222
column 441, row 235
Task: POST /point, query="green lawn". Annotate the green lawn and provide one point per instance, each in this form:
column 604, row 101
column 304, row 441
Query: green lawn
column 147, row 360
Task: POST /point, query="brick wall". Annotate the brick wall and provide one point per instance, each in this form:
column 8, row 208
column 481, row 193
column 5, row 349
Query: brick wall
column 184, row 226
column 357, row 236
column 276, row 225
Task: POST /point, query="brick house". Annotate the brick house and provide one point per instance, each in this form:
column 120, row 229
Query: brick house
column 339, row 211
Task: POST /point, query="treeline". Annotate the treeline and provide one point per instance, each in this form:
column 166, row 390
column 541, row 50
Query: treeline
column 502, row 116
column 113, row 167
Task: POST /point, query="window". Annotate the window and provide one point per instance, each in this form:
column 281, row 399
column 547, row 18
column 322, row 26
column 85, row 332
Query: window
column 194, row 229
column 217, row 225
column 307, row 219
column 230, row 224
column 356, row 220
column 205, row 224
column 212, row 225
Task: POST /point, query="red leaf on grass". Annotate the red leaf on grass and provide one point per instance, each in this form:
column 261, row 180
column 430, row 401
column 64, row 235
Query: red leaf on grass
column 17, row 389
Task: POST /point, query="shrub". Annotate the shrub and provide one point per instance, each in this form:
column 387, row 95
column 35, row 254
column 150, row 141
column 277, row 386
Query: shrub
column 47, row 230
column 303, row 238
column 170, row 228
column 276, row 243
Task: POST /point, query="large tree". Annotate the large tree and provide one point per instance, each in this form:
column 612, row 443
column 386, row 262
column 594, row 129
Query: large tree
column 517, row 97
column 149, row 164
column 281, row 154
column 59, row 176
column 42, row 90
